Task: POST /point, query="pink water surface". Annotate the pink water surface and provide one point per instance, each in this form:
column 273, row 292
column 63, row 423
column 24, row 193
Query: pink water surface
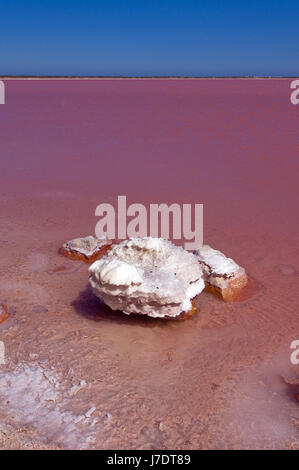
column 215, row 381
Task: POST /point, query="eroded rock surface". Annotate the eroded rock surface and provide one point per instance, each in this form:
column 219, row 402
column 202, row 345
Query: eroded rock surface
column 223, row 276
column 86, row 249
column 149, row 276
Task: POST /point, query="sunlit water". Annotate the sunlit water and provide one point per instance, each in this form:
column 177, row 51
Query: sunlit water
column 212, row 381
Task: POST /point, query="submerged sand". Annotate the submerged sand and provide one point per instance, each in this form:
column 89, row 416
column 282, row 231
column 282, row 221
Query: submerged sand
column 80, row 376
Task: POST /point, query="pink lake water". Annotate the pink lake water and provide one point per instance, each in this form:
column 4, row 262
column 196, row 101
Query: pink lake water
column 222, row 379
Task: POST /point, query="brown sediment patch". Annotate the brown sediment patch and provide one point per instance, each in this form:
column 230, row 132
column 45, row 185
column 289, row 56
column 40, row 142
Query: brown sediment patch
column 59, row 269
column 7, row 317
column 17, row 438
column 242, row 294
column 4, row 314
column 190, row 313
column 63, row 269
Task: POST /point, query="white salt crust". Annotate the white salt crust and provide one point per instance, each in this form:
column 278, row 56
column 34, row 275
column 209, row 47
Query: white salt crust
column 218, row 270
column 35, row 397
column 87, row 246
column 149, row 276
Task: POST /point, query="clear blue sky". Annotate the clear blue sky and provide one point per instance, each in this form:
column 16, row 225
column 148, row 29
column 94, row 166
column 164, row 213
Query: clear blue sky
column 149, row 37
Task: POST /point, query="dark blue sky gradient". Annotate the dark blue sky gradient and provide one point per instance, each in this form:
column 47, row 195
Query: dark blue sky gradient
column 150, row 37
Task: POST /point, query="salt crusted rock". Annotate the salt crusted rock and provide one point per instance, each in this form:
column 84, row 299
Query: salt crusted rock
column 222, row 275
column 148, row 276
column 86, row 249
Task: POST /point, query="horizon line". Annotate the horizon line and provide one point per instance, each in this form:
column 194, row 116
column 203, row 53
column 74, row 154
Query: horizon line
column 144, row 77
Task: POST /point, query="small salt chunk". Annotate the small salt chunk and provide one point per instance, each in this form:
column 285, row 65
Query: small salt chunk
column 90, row 412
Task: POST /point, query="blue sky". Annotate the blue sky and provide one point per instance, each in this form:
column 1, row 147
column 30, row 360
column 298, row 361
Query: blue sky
column 149, row 37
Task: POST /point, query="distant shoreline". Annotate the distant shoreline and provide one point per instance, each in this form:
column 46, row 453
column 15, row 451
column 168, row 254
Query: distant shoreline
column 71, row 77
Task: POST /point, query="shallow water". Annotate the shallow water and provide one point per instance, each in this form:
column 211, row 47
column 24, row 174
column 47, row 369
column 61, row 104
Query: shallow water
column 212, row 381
